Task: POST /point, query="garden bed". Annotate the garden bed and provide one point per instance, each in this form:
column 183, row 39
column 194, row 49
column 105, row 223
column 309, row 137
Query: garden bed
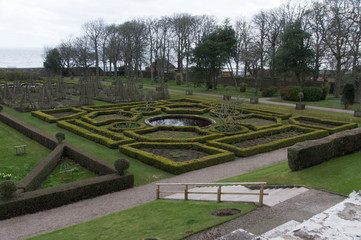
column 258, row 122
column 214, row 155
column 331, row 126
column 257, row 142
column 54, row 115
column 100, row 118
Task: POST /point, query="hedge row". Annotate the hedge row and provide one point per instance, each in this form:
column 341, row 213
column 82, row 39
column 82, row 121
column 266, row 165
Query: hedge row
column 185, row 109
column 105, row 107
column 131, row 116
column 45, row 115
column 204, row 135
column 281, row 115
column 227, row 143
column 277, row 121
column 39, row 200
column 39, row 174
column 181, row 101
column 339, row 126
column 216, row 156
column 310, row 153
column 150, row 110
column 113, row 127
column 93, row 133
column 29, row 131
column 309, row 93
column 239, row 130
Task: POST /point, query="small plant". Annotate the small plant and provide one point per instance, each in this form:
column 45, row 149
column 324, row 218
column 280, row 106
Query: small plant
column 6, row 176
column 60, row 137
column 121, row 165
column 8, row 188
column 178, row 154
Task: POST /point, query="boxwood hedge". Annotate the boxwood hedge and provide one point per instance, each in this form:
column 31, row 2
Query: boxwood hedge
column 46, row 114
column 130, row 116
column 277, row 121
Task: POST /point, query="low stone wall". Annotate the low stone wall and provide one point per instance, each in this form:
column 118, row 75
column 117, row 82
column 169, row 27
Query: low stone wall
column 309, row 153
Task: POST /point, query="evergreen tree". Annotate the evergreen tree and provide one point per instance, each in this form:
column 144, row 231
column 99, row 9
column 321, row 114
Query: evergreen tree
column 295, row 53
column 52, row 61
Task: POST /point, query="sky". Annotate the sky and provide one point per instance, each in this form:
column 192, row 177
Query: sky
column 45, row 23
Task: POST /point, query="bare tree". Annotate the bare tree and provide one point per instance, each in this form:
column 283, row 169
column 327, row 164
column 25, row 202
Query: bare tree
column 66, row 50
column 83, row 54
column 94, row 30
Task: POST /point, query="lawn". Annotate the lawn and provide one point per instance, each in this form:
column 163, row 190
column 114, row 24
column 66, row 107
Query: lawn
column 143, row 173
column 18, row 166
column 339, row 175
column 164, row 219
column 330, row 102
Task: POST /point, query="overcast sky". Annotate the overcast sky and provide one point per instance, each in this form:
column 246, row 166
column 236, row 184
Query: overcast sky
column 44, row 23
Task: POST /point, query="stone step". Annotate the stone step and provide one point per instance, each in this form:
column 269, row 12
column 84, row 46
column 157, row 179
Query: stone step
column 280, row 230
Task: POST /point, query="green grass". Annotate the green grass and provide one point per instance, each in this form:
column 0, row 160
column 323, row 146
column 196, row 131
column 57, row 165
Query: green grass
column 18, row 166
column 79, row 173
column 330, row 102
column 164, row 219
column 172, row 134
column 340, row 175
column 143, row 173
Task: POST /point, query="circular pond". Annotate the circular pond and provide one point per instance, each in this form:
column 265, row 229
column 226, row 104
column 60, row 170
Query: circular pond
column 180, row 120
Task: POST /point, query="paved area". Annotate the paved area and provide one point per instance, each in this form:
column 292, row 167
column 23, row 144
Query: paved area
column 274, row 197
column 262, row 220
column 49, row 220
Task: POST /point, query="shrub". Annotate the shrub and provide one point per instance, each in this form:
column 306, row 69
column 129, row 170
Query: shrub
column 348, row 95
column 269, row 92
column 290, row 93
column 121, row 165
column 7, row 188
column 242, row 87
column 60, row 137
column 312, row 94
column 1, row 108
column 325, row 90
column 179, row 78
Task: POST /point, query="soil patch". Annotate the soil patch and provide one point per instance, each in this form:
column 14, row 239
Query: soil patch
column 325, row 125
column 266, row 139
column 226, row 212
column 176, row 155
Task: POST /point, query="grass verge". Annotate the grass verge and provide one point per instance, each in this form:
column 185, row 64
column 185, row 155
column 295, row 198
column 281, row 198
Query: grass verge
column 163, row 219
column 339, row 175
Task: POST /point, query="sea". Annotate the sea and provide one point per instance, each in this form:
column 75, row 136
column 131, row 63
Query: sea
column 21, row 57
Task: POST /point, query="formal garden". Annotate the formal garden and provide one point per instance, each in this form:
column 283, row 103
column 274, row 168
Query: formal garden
column 232, row 130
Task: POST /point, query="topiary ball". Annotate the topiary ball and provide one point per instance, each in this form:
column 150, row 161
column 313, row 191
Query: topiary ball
column 121, row 165
column 8, row 188
column 60, row 137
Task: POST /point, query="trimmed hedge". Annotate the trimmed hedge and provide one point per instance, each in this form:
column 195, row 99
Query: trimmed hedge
column 93, row 133
column 151, row 110
column 90, row 117
column 227, row 142
column 339, row 126
column 269, row 92
column 281, row 115
column 39, row 200
column 312, row 94
column 240, row 129
column 29, row 131
column 310, row 153
column 277, row 122
column 185, row 109
column 217, row 156
column 105, row 107
column 113, row 127
column 291, row 93
column 204, row 135
column 45, row 114
column 181, row 101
